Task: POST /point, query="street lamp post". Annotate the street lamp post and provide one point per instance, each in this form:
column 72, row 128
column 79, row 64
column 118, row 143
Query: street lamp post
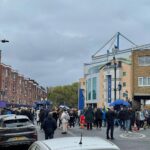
column 115, row 69
column 2, row 41
column 2, row 93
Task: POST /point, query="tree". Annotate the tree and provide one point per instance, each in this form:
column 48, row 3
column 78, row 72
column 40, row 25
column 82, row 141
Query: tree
column 66, row 94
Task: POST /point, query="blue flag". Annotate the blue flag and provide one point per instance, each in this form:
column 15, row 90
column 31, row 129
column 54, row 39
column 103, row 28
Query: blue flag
column 81, row 100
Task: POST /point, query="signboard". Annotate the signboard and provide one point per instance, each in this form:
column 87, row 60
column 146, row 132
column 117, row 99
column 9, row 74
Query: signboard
column 109, row 88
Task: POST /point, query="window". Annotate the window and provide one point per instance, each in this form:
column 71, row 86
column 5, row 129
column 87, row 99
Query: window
column 89, row 89
column 143, row 81
column 124, row 73
column 94, row 88
column 124, row 84
column 144, row 61
column 16, row 122
column 149, row 81
column 6, row 73
column 140, row 81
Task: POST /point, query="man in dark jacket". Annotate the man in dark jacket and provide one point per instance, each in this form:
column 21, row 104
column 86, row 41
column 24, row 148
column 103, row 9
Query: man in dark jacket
column 49, row 126
column 110, row 116
column 121, row 117
column 98, row 118
column 89, row 117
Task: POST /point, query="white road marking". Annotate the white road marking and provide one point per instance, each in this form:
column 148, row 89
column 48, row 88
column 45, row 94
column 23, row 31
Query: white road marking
column 132, row 135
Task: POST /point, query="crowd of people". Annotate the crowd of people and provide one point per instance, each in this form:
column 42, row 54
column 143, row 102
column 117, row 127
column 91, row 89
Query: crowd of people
column 126, row 118
column 49, row 119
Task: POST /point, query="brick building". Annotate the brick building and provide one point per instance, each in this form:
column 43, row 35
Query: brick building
column 16, row 89
column 141, row 76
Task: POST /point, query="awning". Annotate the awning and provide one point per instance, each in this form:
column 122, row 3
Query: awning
column 142, row 97
column 2, row 104
column 43, row 102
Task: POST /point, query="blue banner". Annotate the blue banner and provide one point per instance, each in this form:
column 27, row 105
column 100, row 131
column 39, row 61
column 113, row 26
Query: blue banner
column 109, row 88
column 81, row 100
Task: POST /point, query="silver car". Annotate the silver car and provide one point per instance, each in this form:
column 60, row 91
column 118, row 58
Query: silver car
column 16, row 130
column 74, row 143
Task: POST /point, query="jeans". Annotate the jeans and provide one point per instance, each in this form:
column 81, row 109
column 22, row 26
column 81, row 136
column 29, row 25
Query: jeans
column 122, row 124
column 127, row 125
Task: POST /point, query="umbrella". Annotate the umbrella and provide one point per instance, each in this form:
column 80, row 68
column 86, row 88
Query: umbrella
column 64, row 106
column 125, row 103
column 112, row 104
column 119, row 102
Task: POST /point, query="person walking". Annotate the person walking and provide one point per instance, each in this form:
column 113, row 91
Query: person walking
column 110, row 116
column 89, row 117
column 64, row 119
column 127, row 120
column 49, row 126
column 42, row 117
column 37, row 117
column 121, row 117
column 98, row 118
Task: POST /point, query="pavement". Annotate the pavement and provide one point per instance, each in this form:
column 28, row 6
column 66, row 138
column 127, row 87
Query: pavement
column 126, row 141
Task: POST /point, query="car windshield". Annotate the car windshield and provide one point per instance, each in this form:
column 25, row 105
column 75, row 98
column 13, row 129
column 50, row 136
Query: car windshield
column 16, row 122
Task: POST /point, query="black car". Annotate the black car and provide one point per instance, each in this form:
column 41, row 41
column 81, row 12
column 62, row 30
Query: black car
column 16, row 130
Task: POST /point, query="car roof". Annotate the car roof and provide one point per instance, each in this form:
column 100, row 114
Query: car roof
column 13, row 116
column 72, row 143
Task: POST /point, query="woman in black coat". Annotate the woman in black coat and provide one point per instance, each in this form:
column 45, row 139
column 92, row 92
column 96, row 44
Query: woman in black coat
column 49, row 126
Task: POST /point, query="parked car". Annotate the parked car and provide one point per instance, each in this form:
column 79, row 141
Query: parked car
column 16, row 130
column 74, row 143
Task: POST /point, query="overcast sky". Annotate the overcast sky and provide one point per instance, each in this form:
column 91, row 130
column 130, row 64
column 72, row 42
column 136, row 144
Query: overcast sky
column 50, row 40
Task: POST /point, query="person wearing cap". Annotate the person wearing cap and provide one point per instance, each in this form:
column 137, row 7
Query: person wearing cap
column 110, row 116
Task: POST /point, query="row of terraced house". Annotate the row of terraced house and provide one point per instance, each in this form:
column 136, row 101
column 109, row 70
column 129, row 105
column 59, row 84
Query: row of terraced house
column 17, row 89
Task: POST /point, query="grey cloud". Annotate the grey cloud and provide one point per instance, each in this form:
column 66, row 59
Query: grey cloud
column 51, row 39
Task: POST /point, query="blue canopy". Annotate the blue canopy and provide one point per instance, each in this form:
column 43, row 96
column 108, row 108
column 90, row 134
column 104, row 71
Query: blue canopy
column 2, row 104
column 44, row 102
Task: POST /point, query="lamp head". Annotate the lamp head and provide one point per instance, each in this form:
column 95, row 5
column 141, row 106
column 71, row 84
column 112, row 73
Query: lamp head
column 4, row 41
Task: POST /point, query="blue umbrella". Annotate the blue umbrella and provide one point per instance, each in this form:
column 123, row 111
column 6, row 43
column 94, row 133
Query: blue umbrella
column 125, row 103
column 112, row 104
column 119, row 102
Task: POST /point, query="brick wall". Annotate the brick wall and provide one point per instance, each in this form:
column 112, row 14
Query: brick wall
column 140, row 71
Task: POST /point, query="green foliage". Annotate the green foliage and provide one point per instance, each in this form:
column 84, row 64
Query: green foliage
column 67, row 94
